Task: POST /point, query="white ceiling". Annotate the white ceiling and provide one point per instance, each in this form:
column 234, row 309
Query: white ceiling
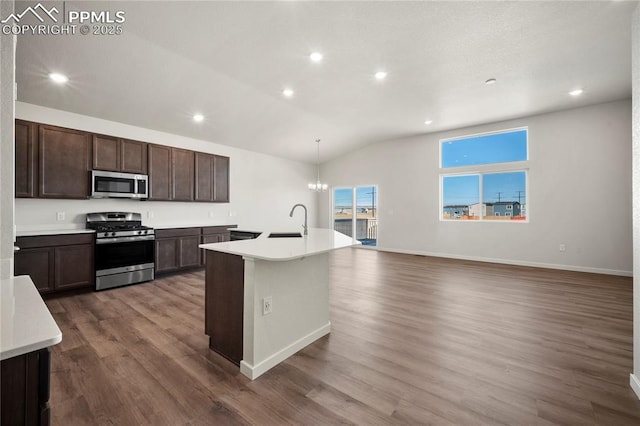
column 231, row 60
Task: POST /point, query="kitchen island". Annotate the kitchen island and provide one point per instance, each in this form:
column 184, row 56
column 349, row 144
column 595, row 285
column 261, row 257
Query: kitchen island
column 27, row 331
column 267, row 298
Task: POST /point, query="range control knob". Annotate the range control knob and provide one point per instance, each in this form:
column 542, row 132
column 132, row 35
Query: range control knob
column 113, row 234
column 106, row 234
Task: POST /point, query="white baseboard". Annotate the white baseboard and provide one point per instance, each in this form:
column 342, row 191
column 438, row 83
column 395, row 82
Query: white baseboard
column 635, row 384
column 515, row 262
column 255, row 371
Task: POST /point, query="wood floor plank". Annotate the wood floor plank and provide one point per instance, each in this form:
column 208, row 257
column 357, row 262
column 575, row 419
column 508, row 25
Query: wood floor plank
column 414, row 340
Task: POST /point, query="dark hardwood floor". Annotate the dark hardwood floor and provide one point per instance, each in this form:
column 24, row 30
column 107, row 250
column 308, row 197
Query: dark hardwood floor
column 414, row 340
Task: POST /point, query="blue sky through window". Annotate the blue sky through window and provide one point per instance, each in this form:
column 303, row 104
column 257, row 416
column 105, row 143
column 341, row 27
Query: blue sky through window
column 364, row 196
column 504, row 187
column 460, row 190
column 465, row 189
column 485, row 149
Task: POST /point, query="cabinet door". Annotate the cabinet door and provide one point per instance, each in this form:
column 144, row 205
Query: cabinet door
column 204, row 177
column 74, row 266
column 64, row 163
column 38, row 264
column 159, row 172
column 221, row 179
column 20, row 392
column 106, row 153
column 182, row 174
column 167, row 255
column 134, row 157
column 189, row 253
column 26, row 159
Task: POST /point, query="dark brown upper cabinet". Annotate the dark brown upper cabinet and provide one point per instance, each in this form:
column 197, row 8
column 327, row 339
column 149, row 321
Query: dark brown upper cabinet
column 182, row 174
column 204, row 177
column 133, row 156
column 54, row 162
column 221, row 179
column 64, row 160
column 106, row 153
column 212, row 178
column 119, row 155
column 26, row 159
column 159, row 172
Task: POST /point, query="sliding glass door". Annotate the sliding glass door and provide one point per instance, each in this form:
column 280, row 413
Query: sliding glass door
column 355, row 213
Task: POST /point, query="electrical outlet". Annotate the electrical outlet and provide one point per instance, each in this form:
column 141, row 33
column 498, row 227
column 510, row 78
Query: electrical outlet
column 212, row 215
column 267, row 305
column 562, row 247
column 232, row 213
column 149, row 215
column 60, row 216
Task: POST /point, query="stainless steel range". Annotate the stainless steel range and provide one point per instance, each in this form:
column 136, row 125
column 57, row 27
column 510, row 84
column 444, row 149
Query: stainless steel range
column 124, row 252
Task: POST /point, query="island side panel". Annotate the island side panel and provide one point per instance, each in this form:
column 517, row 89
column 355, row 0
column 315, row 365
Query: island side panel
column 300, row 310
column 224, row 301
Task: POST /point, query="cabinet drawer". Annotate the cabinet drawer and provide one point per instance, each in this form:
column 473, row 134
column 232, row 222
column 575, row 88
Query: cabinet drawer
column 54, row 240
column 177, row 232
column 208, row 230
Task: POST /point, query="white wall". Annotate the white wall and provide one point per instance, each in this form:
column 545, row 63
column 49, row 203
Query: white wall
column 579, row 194
column 635, row 37
column 263, row 188
column 7, row 80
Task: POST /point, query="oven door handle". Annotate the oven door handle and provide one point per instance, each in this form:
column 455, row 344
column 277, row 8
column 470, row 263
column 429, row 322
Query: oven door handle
column 114, row 240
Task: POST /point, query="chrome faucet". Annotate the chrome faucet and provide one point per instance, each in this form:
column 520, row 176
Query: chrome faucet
column 305, row 216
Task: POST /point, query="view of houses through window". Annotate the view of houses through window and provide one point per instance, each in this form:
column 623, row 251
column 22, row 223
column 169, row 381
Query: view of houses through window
column 357, row 208
column 488, row 183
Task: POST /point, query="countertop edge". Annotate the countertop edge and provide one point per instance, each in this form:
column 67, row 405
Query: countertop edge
column 31, row 348
column 325, row 236
column 22, row 307
column 271, row 259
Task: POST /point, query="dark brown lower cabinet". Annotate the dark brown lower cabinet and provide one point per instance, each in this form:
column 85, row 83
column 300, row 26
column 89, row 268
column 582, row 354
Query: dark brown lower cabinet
column 24, row 390
column 177, row 249
column 224, row 304
column 214, row 234
column 56, row 262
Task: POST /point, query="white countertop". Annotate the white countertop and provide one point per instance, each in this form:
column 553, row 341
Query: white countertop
column 319, row 240
column 190, row 225
column 27, row 324
column 53, row 232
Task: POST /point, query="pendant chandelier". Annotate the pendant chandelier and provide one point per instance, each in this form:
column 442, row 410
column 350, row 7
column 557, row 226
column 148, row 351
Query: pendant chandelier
column 317, row 186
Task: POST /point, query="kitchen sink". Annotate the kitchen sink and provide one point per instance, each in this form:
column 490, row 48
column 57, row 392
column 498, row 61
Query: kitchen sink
column 285, row 235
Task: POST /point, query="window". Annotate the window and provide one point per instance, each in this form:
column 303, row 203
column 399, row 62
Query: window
column 484, row 177
column 357, row 208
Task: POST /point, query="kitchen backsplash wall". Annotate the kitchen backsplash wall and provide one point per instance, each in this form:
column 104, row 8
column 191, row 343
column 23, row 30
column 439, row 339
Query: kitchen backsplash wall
column 262, row 187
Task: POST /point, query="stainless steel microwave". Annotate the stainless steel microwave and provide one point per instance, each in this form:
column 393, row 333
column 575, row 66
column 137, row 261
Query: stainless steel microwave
column 118, row 185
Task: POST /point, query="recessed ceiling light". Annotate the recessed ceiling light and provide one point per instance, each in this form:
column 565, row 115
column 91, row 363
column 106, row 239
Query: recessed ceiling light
column 428, row 122
column 576, row 92
column 58, row 78
column 490, row 81
column 315, row 57
column 287, row 93
column 380, row 75
column 198, row 118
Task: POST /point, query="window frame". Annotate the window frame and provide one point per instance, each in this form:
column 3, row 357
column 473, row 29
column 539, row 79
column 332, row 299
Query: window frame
column 484, row 169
